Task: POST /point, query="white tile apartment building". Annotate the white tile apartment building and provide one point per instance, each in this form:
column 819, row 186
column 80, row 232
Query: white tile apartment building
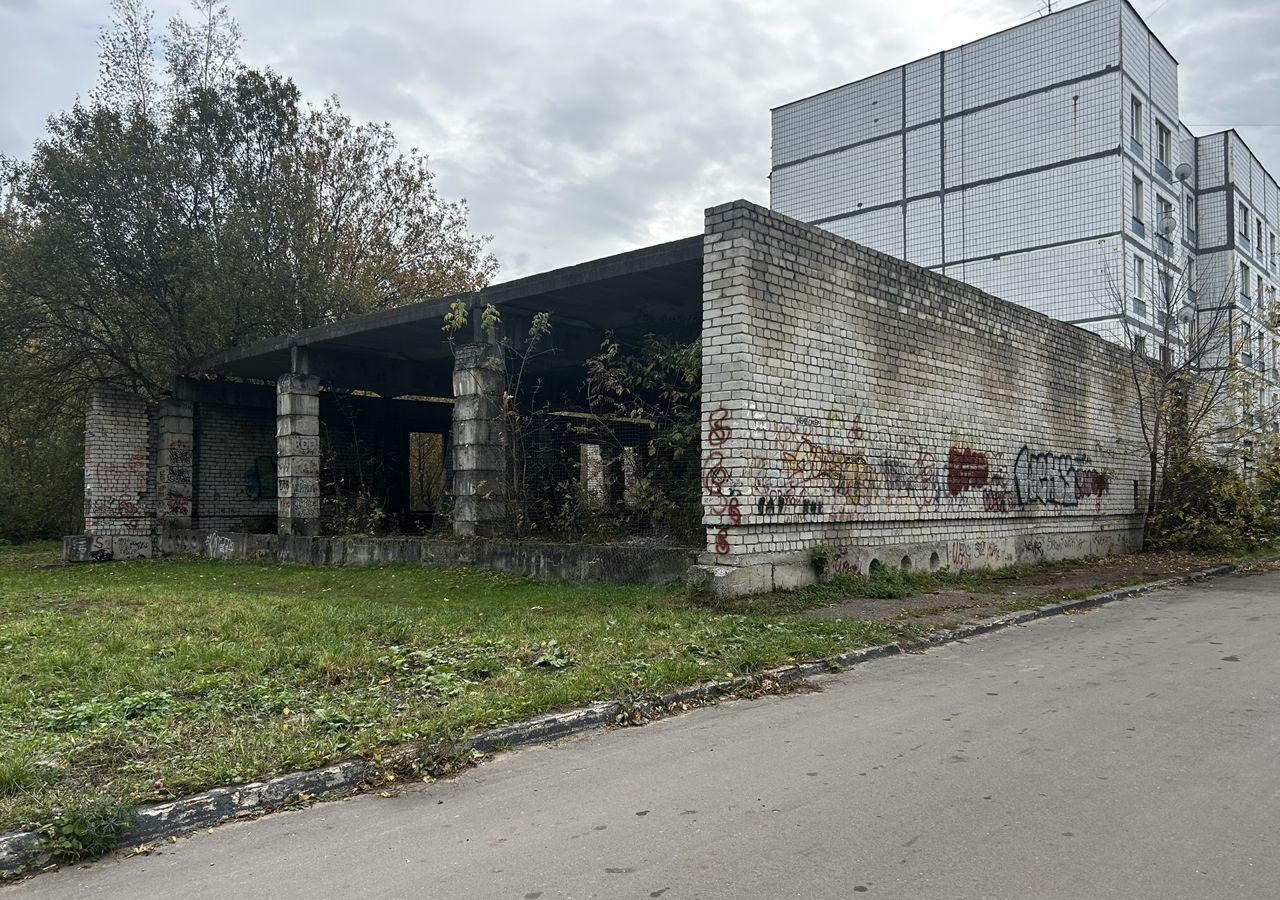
column 1041, row 165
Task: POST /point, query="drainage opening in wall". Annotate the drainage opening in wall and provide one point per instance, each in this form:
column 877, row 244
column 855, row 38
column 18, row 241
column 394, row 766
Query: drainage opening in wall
column 934, row 561
column 906, row 563
column 875, row 568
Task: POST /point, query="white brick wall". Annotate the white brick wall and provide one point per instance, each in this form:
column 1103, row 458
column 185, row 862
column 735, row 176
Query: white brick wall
column 857, row 400
column 119, row 480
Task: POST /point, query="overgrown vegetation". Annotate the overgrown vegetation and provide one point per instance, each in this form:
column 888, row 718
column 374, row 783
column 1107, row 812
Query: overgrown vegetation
column 149, row 680
column 1208, row 505
column 190, row 203
column 615, row 457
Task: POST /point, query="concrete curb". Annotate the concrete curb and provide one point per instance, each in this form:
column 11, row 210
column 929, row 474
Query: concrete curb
column 22, row 852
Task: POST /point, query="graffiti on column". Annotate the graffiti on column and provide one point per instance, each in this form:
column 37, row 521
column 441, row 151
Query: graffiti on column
column 717, row 481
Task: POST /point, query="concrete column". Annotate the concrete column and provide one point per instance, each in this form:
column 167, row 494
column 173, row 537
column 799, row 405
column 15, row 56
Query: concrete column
column 119, row 503
column 175, row 464
column 298, row 454
column 479, row 457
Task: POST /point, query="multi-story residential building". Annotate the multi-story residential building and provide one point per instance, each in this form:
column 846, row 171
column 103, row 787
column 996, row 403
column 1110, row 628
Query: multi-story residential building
column 1047, row 165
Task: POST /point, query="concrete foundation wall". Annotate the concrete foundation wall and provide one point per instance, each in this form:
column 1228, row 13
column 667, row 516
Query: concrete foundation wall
column 570, row 562
column 898, row 416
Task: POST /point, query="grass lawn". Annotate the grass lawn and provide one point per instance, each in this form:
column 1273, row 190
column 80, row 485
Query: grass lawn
column 147, row 680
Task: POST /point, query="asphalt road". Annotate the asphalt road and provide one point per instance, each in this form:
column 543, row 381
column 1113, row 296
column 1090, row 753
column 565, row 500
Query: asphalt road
column 1132, row 752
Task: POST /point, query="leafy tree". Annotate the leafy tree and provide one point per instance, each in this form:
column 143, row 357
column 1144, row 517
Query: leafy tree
column 174, row 215
column 1186, row 375
column 192, row 203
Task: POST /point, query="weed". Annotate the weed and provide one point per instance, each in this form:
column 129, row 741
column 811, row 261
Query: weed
column 87, row 830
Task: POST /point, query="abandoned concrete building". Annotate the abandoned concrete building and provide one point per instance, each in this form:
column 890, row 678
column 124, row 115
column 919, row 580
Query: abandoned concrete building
column 854, row 409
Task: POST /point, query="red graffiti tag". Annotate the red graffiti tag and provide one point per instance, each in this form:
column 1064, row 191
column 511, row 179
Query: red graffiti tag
column 715, row 476
column 722, row 542
column 719, row 430
column 967, row 470
column 735, row 511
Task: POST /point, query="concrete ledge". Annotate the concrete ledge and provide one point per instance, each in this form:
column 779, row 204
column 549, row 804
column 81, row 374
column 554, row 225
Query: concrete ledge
column 603, row 563
column 24, row 852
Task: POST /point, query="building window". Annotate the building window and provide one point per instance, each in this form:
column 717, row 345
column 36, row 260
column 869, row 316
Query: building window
column 1244, row 281
column 1166, row 289
column 1164, row 143
column 1243, row 226
column 1140, row 344
column 1139, row 277
column 1135, row 120
column 1137, row 207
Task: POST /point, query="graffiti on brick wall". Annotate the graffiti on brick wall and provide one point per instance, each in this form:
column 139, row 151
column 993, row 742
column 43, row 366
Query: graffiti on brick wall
column 967, row 470
column 980, row 554
column 1056, row 479
column 127, row 477
column 911, row 476
column 832, row 468
column 717, row 481
column 117, row 507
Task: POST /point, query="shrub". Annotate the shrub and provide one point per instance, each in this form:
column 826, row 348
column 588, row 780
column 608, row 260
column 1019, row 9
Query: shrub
column 1208, row 506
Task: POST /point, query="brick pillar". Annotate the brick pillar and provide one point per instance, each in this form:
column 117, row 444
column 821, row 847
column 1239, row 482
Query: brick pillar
column 175, row 464
column 298, row 454
column 119, row 506
column 479, row 458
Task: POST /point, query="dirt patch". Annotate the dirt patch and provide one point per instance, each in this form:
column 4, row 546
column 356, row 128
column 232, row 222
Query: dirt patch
column 1001, row 593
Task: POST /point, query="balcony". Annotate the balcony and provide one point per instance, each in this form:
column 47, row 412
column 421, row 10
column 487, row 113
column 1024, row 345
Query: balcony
column 1162, row 170
column 1245, row 300
column 1139, row 307
column 1136, row 226
column 1242, row 240
column 1135, row 148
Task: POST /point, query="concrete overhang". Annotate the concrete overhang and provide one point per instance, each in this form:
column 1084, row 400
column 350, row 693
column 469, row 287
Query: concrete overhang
column 630, row 294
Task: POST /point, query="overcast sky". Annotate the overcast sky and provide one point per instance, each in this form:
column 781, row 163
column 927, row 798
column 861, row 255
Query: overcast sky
column 579, row 129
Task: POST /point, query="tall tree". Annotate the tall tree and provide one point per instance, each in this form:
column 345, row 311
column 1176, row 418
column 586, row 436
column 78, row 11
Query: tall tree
column 192, row 203
column 1194, row 393
column 158, row 222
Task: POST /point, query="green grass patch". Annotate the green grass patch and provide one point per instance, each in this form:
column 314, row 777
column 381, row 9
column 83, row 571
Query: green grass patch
column 127, row 682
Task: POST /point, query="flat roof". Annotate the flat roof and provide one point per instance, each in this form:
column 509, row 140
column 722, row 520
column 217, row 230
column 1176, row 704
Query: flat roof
column 627, row 293
column 1029, row 24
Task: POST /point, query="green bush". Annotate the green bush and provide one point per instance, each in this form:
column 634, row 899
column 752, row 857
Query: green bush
column 1208, row 506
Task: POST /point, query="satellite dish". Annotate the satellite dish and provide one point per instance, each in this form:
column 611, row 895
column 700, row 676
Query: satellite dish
column 1183, row 172
column 1167, row 226
column 1187, row 314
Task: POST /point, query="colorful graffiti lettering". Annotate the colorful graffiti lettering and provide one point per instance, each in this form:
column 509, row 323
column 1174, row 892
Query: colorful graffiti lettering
column 848, row 473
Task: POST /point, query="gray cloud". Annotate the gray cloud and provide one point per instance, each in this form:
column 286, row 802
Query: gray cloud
column 578, row 129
